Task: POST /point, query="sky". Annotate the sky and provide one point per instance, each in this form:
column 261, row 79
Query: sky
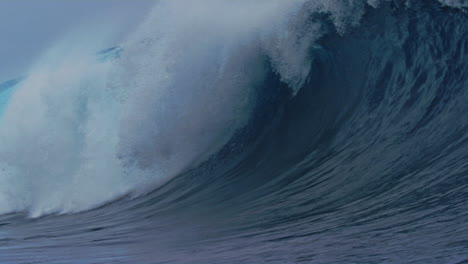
column 29, row 27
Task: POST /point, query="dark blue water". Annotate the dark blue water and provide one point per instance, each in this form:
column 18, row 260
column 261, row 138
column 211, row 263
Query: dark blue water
column 367, row 163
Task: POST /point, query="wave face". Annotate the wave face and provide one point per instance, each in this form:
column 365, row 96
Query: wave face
column 245, row 132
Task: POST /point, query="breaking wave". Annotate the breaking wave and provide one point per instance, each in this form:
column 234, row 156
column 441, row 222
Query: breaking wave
column 245, row 132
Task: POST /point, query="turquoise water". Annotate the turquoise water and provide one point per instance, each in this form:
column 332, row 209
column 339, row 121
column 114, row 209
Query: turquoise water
column 5, row 95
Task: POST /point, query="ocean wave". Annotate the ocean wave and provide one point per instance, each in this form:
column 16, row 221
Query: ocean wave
column 245, row 132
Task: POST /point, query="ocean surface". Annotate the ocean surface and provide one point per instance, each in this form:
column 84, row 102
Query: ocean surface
column 331, row 131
